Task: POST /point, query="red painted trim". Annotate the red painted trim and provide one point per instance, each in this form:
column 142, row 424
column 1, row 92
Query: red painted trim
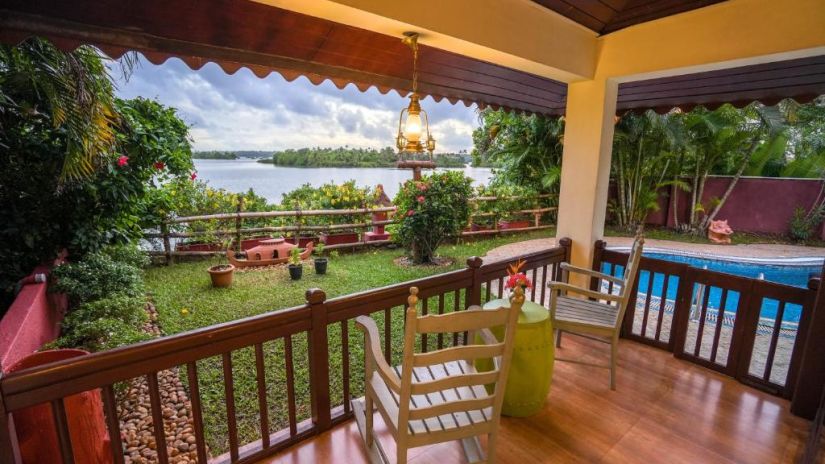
column 32, row 320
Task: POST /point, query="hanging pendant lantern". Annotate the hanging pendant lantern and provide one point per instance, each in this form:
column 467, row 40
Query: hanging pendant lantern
column 414, row 142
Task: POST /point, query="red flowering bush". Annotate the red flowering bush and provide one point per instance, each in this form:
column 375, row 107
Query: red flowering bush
column 437, row 208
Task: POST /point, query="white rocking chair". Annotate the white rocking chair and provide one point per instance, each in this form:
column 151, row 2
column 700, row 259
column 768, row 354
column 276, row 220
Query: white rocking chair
column 438, row 396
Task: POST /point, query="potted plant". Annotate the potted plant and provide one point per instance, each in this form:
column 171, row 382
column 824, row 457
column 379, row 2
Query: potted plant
column 296, row 269
column 222, row 273
column 320, row 262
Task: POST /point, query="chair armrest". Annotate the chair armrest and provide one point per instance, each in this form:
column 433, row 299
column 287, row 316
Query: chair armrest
column 372, row 350
column 592, row 273
column 489, row 339
column 561, row 286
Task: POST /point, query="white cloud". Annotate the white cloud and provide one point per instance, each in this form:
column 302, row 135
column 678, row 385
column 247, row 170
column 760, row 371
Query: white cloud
column 244, row 112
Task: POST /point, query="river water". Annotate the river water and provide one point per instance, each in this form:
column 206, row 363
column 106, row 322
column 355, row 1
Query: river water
column 272, row 181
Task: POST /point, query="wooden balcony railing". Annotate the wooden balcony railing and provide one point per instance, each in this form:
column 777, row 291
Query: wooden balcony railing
column 300, row 333
column 731, row 324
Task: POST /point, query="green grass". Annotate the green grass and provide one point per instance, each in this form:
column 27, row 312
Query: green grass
column 186, row 286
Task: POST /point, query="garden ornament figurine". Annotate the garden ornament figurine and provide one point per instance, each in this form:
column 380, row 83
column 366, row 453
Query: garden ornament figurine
column 720, row 232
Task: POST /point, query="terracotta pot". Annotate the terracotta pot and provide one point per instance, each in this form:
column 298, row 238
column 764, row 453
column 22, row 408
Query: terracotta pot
column 339, row 238
column 320, row 265
column 513, row 224
column 296, row 271
column 221, row 275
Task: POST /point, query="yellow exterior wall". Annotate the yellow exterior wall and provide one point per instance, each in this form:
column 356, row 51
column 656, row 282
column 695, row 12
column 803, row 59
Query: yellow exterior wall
column 588, row 140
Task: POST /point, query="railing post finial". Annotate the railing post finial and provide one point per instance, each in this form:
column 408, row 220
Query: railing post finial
column 474, row 262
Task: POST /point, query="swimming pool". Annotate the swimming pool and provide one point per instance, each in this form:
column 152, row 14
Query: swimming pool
column 780, row 271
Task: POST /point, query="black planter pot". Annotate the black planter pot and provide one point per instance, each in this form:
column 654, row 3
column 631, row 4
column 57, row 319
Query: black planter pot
column 295, row 271
column 320, row 265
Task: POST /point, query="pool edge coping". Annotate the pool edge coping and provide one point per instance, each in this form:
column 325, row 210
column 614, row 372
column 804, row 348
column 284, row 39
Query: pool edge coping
column 797, row 261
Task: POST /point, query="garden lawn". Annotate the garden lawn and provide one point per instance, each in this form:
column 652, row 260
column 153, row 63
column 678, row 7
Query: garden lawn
column 185, row 300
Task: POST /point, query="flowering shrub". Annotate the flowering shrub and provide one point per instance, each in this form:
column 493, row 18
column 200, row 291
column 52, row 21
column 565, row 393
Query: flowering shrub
column 329, row 196
column 430, row 211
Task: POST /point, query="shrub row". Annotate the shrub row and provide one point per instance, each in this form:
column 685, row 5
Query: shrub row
column 106, row 295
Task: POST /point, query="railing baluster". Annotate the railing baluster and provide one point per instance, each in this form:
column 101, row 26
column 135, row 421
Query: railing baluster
column 345, row 363
column 62, row 426
column 650, row 276
column 9, row 447
column 290, row 385
column 229, row 391
column 720, row 319
column 197, row 413
column 388, row 334
column 263, row 408
column 543, row 284
column 489, row 290
column 157, row 418
column 777, row 327
column 501, row 287
column 703, row 314
column 535, row 281
column 662, row 307
column 113, row 424
column 440, row 311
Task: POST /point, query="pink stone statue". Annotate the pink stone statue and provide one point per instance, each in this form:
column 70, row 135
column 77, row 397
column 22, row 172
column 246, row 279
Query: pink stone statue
column 720, row 232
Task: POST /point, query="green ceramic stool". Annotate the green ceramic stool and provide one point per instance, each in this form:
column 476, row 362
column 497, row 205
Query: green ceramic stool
column 531, row 369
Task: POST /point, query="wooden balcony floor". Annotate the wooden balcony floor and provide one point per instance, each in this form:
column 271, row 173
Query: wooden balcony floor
column 664, row 410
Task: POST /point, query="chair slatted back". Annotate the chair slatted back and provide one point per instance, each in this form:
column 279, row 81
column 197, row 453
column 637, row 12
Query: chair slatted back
column 471, row 320
column 631, row 272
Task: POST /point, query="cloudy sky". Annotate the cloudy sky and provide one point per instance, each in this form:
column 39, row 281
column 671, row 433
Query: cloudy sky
column 244, row 112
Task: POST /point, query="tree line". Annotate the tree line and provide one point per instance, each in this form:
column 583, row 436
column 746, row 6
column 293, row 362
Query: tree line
column 353, row 157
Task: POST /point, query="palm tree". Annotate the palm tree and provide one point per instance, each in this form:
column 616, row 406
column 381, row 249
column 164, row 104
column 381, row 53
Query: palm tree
column 644, row 147
column 70, row 91
column 528, row 150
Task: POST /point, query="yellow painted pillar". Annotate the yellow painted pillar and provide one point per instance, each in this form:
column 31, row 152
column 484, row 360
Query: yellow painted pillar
column 585, row 173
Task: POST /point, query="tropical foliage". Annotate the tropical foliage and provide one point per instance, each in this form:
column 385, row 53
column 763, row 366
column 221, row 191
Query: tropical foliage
column 526, row 150
column 430, row 211
column 76, row 164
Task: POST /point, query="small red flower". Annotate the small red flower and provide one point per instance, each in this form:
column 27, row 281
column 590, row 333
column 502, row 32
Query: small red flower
column 520, row 280
column 410, row 213
column 123, row 160
column 420, row 199
column 422, row 186
column 193, row 176
column 159, row 165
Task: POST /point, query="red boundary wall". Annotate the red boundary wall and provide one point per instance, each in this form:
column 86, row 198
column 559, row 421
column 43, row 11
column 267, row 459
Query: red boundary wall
column 757, row 204
column 32, row 320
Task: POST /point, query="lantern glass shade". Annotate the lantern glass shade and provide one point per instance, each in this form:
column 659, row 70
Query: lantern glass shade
column 412, row 127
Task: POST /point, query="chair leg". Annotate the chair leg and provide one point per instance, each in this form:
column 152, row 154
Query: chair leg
column 558, row 339
column 491, row 448
column 614, row 351
column 368, row 412
column 401, row 454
